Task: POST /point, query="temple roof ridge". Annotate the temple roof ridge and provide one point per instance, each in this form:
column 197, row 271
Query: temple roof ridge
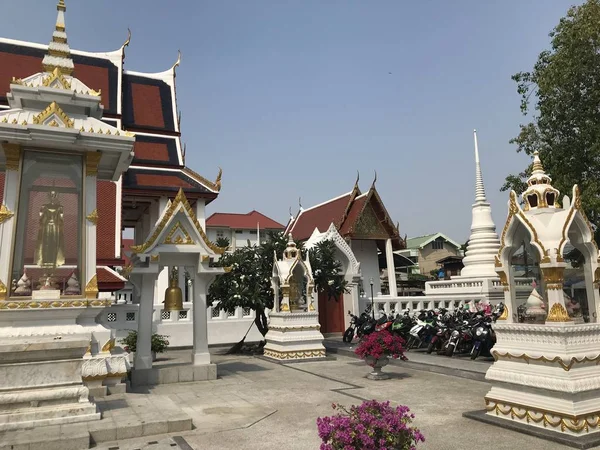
column 59, row 52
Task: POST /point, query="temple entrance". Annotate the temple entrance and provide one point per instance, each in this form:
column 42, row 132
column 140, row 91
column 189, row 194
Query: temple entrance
column 331, row 314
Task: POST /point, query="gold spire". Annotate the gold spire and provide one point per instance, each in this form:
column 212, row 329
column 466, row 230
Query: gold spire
column 537, row 163
column 59, row 53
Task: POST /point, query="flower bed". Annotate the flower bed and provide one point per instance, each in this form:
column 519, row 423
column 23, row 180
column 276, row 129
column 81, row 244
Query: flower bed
column 372, row 425
column 379, row 344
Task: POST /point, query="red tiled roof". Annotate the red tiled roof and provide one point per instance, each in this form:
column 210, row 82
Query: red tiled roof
column 247, row 221
column 147, row 105
column 319, row 217
column 108, row 280
column 106, row 198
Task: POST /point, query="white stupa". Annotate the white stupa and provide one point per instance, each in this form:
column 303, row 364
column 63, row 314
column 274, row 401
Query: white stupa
column 483, row 243
column 478, row 280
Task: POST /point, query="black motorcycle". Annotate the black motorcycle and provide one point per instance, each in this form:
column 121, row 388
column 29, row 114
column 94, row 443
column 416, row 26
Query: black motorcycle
column 359, row 326
column 484, row 337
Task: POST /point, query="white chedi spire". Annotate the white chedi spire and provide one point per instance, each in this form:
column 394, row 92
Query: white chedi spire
column 59, row 52
column 483, row 246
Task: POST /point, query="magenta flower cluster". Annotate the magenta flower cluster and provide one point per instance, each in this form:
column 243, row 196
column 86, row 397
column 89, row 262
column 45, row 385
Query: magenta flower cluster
column 379, row 344
column 371, row 426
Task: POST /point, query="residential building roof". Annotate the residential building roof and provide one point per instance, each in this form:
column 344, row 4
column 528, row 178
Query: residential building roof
column 422, row 241
column 248, row 221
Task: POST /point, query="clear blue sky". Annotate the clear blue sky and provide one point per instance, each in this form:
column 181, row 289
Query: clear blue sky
column 291, row 97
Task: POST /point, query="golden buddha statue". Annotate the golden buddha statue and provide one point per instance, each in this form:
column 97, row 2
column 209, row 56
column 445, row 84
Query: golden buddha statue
column 49, row 251
column 294, row 293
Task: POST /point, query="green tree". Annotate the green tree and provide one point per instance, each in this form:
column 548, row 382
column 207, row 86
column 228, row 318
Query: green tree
column 562, row 96
column 248, row 283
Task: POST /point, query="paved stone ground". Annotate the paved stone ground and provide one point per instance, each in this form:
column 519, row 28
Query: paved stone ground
column 256, row 404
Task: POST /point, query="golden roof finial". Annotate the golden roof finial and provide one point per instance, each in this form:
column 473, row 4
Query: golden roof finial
column 218, row 180
column 59, row 53
column 537, row 162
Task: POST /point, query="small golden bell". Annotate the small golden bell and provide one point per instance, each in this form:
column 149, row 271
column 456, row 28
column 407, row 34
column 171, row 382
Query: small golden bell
column 173, row 296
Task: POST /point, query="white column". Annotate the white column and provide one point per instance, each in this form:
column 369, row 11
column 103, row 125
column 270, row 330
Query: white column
column 391, row 269
column 118, row 216
column 200, row 212
column 181, row 281
column 200, row 353
column 91, row 214
column 143, row 351
column 10, row 200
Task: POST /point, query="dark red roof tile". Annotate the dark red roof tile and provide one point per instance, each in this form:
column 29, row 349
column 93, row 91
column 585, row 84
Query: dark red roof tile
column 248, row 221
column 106, row 198
column 319, row 217
column 147, row 106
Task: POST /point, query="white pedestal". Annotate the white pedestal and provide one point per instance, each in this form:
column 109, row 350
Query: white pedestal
column 294, row 336
column 547, row 376
column 40, row 382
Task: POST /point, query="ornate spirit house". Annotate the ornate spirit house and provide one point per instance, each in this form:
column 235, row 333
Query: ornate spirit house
column 546, row 374
column 55, row 148
column 294, row 328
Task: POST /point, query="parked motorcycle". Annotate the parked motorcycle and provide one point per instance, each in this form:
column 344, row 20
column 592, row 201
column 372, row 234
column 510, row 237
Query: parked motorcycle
column 359, row 325
column 484, row 337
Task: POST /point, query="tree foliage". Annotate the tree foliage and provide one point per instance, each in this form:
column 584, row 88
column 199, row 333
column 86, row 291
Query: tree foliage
column 248, row 283
column 562, row 96
column 222, row 242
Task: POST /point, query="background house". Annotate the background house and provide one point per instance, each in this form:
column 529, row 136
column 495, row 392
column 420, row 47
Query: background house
column 240, row 229
column 426, row 251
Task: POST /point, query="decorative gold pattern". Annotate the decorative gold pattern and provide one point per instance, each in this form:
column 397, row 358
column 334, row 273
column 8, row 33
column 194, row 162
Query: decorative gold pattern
column 12, row 153
column 285, row 307
column 369, row 225
column 56, row 75
column 504, row 280
column 2, row 292
column 53, row 110
column 558, row 313
column 553, row 277
column 5, row 213
column 566, row 366
column 110, row 344
column 91, row 289
column 180, row 199
column 183, row 237
column 126, row 271
column 514, row 210
column 218, row 180
column 302, row 354
column 29, row 304
column 504, row 314
column 154, row 258
column 92, row 159
column 93, row 217
column 551, row 419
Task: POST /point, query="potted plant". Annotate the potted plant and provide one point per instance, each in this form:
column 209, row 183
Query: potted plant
column 158, row 343
column 376, row 348
column 372, row 425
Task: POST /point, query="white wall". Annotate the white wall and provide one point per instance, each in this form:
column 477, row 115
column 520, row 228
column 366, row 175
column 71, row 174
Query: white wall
column 237, row 239
column 366, row 254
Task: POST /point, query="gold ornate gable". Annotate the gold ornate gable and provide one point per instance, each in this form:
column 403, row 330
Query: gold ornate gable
column 369, row 225
column 180, row 202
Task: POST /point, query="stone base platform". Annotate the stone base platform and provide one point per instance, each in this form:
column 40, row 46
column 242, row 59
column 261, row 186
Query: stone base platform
column 124, row 416
column 169, row 374
column 582, row 442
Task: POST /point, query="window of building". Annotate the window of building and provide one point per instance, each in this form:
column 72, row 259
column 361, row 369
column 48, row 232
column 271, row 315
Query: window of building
column 220, row 234
column 252, row 231
column 238, row 231
column 437, row 245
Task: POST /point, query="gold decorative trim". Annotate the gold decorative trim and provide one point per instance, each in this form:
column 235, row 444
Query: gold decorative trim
column 91, row 289
column 92, row 159
column 205, row 258
column 504, row 280
column 93, row 217
column 30, row 304
column 557, row 359
column 216, row 186
column 558, row 313
column 5, row 213
column 180, row 200
column 2, row 291
column 285, row 307
column 126, row 271
column 53, row 109
column 228, row 269
column 514, row 210
column 553, row 277
column 12, row 153
column 154, row 258
column 302, row 354
column 504, row 315
column 54, row 76
column 553, row 419
column 185, row 240
column 316, row 327
column 110, row 344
